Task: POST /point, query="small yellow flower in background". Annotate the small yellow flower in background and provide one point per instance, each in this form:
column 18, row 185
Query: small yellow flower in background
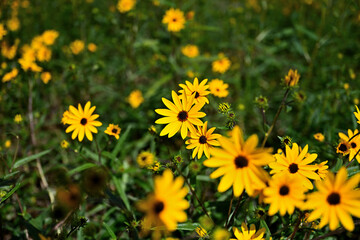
column 322, row 169
column 201, row 231
column 220, row 234
column 7, row 144
column 285, row 192
column 190, row 15
column 202, row 141
column 353, row 145
column 190, row 74
column 292, row 78
column 28, row 64
column 240, row 163
column 356, row 101
column 9, row 51
column 190, row 51
column 175, row 20
column 113, row 130
column 18, row 119
column 82, row 122
column 145, row 159
column 357, row 114
column 199, row 90
column 352, row 74
column 135, row 98
column 3, row 32
column 25, row 4
column 319, row 136
column 64, row 144
column 221, row 65
column 181, row 115
column 296, row 162
column 335, row 201
column 165, row 207
column 92, row 47
column 13, row 24
column 10, row 75
column 43, row 54
column 248, row 234
column 77, row 47
column 125, row 5
column 155, row 166
column 346, row 86
column 218, row 88
column 45, row 77
column 3, row 65
column 49, row 37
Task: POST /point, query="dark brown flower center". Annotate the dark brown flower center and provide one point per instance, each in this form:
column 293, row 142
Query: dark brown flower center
column 83, row 121
column 353, row 145
column 241, row 162
column 158, row 207
column 333, row 198
column 197, row 95
column 182, row 116
column 143, row 159
column 286, row 141
column 317, row 171
column 114, row 130
column 174, row 19
column 284, row 190
column 202, row 140
column 343, row 147
column 293, row 168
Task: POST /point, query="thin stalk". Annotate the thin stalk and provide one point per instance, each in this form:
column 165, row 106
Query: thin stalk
column 98, row 149
column 236, row 208
column 347, row 164
column 297, row 226
column 335, row 232
column 193, row 192
column 230, row 206
column 22, row 212
column 276, row 116
column 15, row 154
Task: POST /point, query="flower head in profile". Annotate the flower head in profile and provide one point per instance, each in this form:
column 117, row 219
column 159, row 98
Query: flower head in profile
column 292, row 78
column 135, row 98
column 354, row 143
column 125, row 5
column 284, row 193
column 45, row 77
column 190, row 51
column 296, row 161
column 248, row 234
column 221, row 65
column 201, row 232
column 77, row 46
column 49, row 37
column 240, row 163
column 175, row 20
column 166, row 206
column 218, row 88
column 322, row 169
column 336, row 200
column 357, row 114
column 82, row 122
column 145, row 159
column 202, row 141
column 113, row 130
column 319, row 137
column 18, row 118
column 181, row 115
column 199, row 90
column 3, row 31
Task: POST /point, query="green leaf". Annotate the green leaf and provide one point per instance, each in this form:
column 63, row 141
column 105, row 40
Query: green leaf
column 91, row 154
column 264, row 225
column 30, row 158
column 111, row 233
column 121, row 141
column 187, row 226
column 10, row 193
column 81, row 168
column 121, row 192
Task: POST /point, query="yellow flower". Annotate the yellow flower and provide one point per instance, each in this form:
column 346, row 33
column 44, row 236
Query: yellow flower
column 240, row 163
column 77, row 47
column 199, row 90
column 202, row 141
column 9, row 51
column 322, row 169
column 113, row 130
column 218, row 88
column 220, row 234
column 18, row 119
column 296, row 162
column 125, row 5
column 346, row 86
column 45, row 77
column 190, row 51
column 190, row 15
column 201, row 231
column 145, row 159
column 135, row 98
column 319, row 136
column 336, row 200
column 343, row 147
column 66, row 117
column 354, row 143
column 221, row 65
column 64, row 144
column 357, row 114
column 37, row 42
column 166, row 206
column 7, row 143
column 175, row 20
column 10, row 75
column 182, row 115
column 49, row 37
column 292, row 78
column 28, row 64
column 92, row 47
column 13, row 24
column 248, row 234
column 82, row 122
column 43, row 54
column 3, row 32
column 285, row 192
column 155, row 166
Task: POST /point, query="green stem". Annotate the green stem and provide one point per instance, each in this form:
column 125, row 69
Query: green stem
column 98, row 149
column 230, row 206
column 297, row 226
column 236, row 209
